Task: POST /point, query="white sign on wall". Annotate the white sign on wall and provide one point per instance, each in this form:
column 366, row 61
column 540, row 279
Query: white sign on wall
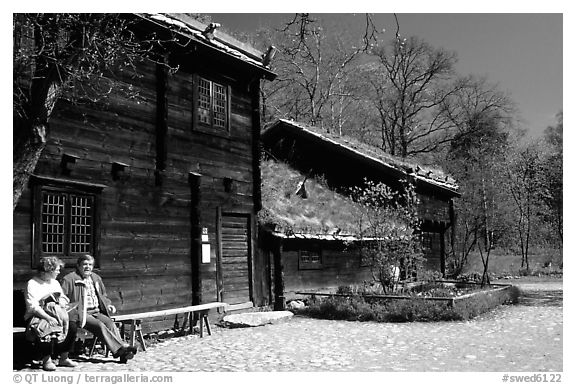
column 205, row 246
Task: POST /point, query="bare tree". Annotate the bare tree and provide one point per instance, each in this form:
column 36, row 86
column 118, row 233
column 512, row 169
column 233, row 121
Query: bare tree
column 313, row 73
column 480, row 116
column 474, row 158
column 53, row 56
column 409, row 84
column 552, row 195
column 525, row 173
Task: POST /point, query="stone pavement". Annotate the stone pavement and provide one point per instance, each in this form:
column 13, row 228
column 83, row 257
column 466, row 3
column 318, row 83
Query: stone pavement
column 524, row 338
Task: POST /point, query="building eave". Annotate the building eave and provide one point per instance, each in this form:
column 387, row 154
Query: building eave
column 406, row 169
column 221, row 42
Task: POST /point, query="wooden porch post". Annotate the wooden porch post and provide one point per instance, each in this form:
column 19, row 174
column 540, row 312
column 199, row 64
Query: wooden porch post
column 195, row 237
column 279, row 298
column 161, row 123
column 443, row 252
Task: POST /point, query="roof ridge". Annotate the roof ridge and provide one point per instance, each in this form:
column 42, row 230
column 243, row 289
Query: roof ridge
column 427, row 173
column 192, row 28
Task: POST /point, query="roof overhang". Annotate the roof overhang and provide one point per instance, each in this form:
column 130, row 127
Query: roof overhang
column 323, row 237
column 226, row 45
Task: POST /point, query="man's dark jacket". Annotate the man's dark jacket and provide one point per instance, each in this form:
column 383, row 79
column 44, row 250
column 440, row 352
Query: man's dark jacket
column 74, row 287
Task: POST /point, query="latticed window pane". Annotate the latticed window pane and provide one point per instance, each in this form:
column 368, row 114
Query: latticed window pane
column 204, row 101
column 309, row 260
column 219, row 105
column 53, row 215
column 81, row 208
column 212, row 106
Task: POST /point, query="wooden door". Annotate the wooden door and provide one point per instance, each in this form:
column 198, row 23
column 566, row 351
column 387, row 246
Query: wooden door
column 235, row 261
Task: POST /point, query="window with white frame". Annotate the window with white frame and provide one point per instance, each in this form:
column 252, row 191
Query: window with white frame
column 212, row 106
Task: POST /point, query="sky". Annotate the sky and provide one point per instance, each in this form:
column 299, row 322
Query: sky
column 521, row 52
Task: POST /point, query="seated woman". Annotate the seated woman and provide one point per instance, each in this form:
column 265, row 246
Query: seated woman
column 46, row 316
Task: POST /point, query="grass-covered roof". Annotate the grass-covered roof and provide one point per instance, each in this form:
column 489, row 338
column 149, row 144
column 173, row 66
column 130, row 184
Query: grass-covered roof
column 322, row 213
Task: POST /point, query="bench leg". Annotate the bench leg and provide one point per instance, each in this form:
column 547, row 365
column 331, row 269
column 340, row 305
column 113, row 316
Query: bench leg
column 94, row 343
column 132, row 338
column 201, row 326
column 136, row 333
column 203, row 318
column 184, row 323
column 207, row 324
column 141, row 337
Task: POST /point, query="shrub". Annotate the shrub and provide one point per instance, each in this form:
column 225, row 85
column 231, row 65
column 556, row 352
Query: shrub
column 361, row 308
column 353, row 308
column 357, row 308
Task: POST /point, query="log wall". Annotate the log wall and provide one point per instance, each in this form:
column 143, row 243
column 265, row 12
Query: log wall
column 146, row 236
column 339, row 268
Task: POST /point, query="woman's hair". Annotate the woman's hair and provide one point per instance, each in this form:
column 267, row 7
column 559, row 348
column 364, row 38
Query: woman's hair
column 85, row 257
column 49, row 264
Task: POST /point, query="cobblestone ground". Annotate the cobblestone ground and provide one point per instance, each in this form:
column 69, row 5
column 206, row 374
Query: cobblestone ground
column 527, row 337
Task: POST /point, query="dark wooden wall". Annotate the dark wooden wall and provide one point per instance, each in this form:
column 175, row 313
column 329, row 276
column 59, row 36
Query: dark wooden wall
column 434, row 209
column 339, row 268
column 145, row 246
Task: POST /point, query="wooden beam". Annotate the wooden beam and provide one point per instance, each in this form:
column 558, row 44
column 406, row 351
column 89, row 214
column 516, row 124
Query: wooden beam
column 195, row 236
column 161, row 121
column 279, row 298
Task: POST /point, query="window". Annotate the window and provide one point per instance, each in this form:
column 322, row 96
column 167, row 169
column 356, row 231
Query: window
column 65, row 222
column 212, row 104
column 430, row 242
column 366, row 259
column 309, row 260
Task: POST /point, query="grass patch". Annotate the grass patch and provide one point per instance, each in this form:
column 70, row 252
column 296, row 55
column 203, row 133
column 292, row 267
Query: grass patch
column 543, row 262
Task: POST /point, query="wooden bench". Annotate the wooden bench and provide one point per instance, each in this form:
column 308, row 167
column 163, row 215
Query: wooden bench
column 134, row 321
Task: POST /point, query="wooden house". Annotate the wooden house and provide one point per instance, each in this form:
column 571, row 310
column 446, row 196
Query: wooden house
column 342, row 162
column 162, row 188
column 308, row 234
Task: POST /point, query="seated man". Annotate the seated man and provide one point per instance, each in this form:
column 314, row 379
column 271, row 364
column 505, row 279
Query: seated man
column 86, row 289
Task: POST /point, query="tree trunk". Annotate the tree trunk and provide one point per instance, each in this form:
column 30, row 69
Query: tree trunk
column 27, row 150
column 31, row 133
column 485, row 213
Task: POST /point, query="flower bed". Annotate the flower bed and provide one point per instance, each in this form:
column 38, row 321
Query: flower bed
column 423, row 302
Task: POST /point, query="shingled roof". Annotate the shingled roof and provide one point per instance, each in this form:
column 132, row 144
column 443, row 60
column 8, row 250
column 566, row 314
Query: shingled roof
column 373, row 154
column 191, row 28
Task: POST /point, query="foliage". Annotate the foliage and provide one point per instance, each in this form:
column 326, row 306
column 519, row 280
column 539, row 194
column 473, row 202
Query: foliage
column 388, row 223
